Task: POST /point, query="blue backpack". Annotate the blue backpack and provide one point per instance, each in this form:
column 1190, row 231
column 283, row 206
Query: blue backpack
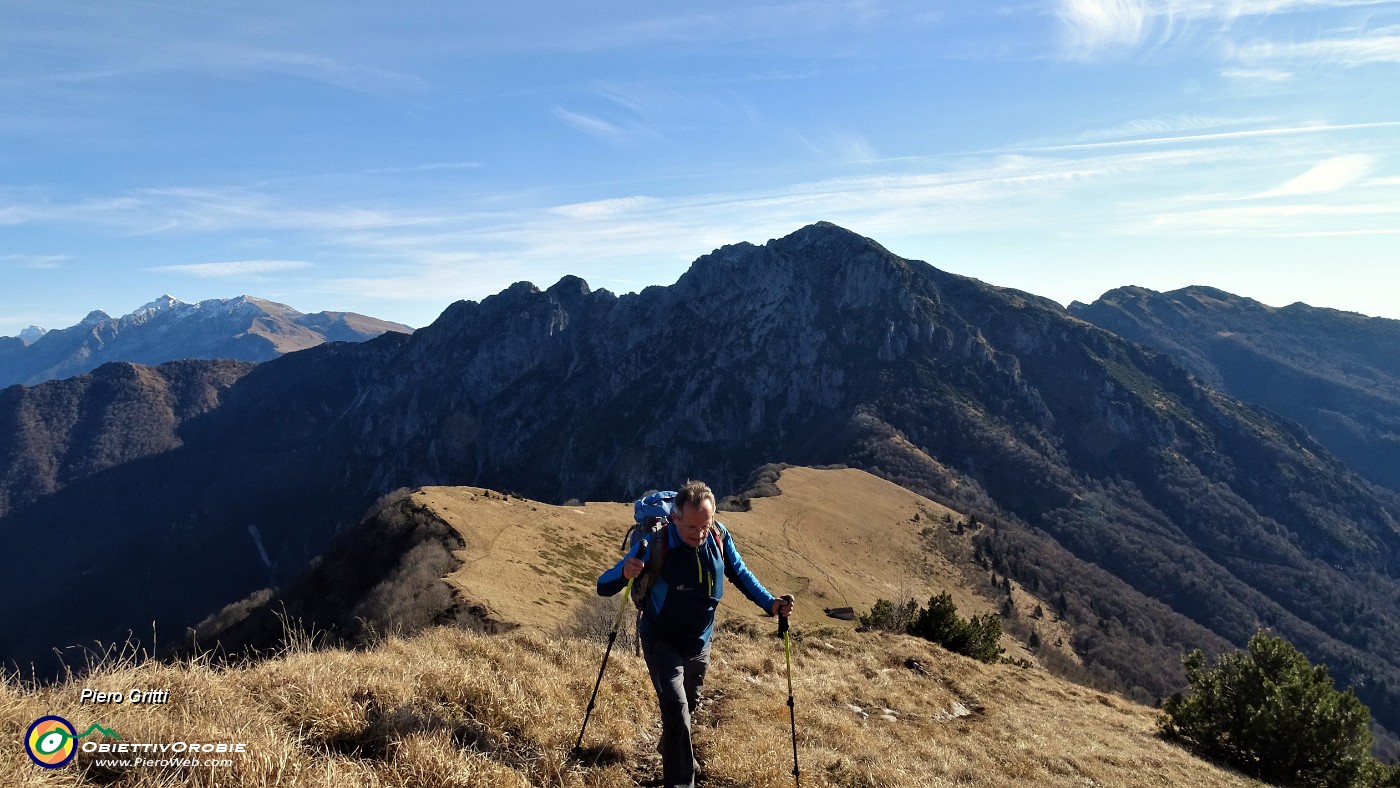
column 650, row 514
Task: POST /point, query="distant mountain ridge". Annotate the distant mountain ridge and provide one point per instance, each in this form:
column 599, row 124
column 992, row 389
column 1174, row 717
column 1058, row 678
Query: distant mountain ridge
column 1337, row 373
column 1155, row 513
column 243, row 329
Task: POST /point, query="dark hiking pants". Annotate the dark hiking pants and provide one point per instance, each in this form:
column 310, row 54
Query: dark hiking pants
column 677, row 679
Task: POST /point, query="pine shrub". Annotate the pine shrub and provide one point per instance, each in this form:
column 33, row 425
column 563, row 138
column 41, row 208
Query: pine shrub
column 890, row 617
column 1273, row 714
column 979, row 638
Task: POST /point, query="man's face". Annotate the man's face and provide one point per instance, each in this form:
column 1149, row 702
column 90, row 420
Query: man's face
column 694, row 522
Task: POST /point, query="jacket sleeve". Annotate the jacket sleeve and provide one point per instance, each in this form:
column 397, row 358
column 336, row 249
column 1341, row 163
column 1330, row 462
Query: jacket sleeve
column 612, row 581
column 740, row 576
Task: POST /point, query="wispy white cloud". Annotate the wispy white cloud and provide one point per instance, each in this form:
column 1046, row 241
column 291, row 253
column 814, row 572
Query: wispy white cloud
column 193, row 55
column 1270, row 217
column 1342, row 233
column 1181, row 139
column 70, row 53
column 659, row 102
column 22, row 210
column 213, row 209
column 233, row 268
column 1331, row 175
column 1381, row 46
column 1157, row 127
column 431, row 167
column 592, row 126
column 209, row 209
column 37, row 261
column 360, row 77
column 603, row 209
column 1237, row 8
column 1261, row 74
column 1095, row 26
column 623, row 111
column 844, row 148
column 593, row 28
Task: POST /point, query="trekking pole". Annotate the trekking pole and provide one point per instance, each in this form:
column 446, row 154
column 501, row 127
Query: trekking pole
column 612, row 636
column 792, row 711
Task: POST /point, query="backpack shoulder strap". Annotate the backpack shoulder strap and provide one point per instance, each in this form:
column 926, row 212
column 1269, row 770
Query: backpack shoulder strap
column 658, row 541
column 659, row 537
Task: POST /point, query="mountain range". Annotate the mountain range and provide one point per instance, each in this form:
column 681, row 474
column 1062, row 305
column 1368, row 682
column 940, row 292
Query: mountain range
column 1153, row 512
column 1336, row 373
column 167, row 329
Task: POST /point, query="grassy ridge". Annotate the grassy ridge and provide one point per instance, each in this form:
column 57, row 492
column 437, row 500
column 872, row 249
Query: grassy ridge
column 454, row 708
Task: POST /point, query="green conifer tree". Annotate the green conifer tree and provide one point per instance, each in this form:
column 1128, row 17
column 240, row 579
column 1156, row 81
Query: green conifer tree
column 1271, row 713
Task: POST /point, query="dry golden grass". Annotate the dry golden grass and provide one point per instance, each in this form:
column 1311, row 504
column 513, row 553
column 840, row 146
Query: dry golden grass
column 454, row 708
column 836, row 538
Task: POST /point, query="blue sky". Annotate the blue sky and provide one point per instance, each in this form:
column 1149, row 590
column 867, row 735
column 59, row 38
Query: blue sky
column 392, row 158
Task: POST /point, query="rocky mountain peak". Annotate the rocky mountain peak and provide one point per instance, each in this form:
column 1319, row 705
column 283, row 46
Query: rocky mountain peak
column 1119, row 295
column 1215, row 298
column 825, row 235
column 162, row 305
column 95, row 316
column 166, row 301
column 819, row 258
column 569, row 288
column 240, row 305
column 32, row 334
column 517, row 290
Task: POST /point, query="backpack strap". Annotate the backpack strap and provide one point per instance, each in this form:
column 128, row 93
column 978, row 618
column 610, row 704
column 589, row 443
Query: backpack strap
column 658, row 541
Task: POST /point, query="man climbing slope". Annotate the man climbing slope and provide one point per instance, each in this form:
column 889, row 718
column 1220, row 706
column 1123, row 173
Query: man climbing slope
column 678, row 614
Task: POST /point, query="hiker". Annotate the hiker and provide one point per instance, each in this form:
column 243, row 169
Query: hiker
column 678, row 615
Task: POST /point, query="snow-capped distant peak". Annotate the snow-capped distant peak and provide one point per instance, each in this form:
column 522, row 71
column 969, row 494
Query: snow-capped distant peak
column 31, row 335
column 251, row 304
column 166, row 301
column 163, row 304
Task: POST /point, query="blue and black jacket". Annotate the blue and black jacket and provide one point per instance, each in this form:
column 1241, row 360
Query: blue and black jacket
column 680, row 608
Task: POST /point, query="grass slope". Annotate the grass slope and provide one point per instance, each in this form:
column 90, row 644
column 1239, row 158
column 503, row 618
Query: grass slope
column 835, row 538
column 449, row 707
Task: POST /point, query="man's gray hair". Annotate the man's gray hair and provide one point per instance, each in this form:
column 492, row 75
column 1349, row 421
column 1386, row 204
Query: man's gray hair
column 693, row 494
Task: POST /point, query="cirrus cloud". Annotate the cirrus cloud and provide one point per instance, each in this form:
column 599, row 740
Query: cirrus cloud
column 233, row 268
column 1331, row 175
column 1092, row 26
